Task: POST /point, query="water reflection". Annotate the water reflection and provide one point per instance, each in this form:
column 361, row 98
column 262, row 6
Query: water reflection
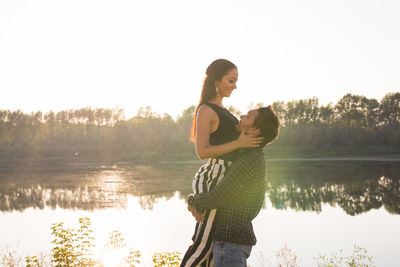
column 356, row 187
column 81, row 197
column 89, row 187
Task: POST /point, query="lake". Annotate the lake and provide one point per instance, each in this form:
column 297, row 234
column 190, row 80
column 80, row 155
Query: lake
column 313, row 206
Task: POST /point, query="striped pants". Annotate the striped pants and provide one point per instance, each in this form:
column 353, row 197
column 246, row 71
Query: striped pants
column 200, row 252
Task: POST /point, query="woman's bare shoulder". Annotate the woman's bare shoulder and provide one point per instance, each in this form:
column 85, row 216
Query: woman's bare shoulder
column 206, row 111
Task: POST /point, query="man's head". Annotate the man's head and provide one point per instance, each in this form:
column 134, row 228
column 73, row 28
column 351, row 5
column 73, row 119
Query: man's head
column 261, row 122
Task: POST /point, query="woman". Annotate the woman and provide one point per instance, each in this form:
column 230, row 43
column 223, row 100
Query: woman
column 216, row 137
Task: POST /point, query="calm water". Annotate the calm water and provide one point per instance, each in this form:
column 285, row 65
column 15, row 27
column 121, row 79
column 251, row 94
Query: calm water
column 315, row 207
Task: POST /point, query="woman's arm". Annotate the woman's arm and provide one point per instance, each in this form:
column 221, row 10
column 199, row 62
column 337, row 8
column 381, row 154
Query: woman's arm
column 204, row 121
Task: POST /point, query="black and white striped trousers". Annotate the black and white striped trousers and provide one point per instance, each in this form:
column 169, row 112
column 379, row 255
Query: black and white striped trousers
column 200, row 252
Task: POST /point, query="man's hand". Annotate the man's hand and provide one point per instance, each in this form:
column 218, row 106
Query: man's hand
column 197, row 215
column 249, row 140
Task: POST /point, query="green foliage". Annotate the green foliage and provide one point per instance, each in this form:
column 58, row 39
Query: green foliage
column 32, row 261
column 115, row 240
column 166, row 259
column 43, row 260
column 73, row 247
column 389, row 110
column 85, row 242
column 359, row 258
column 354, row 123
column 133, row 258
column 9, row 258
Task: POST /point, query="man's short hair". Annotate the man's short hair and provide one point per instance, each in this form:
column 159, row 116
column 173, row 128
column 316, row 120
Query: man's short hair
column 268, row 123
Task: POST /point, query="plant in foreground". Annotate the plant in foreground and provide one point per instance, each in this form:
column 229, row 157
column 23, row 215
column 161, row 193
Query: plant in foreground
column 73, row 247
column 359, row 258
column 9, row 256
column 287, row 257
column 116, row 250
column 32, row 261
column 166, row 259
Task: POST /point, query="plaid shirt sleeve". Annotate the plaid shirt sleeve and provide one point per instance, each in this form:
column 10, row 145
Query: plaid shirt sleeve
column 238, row 174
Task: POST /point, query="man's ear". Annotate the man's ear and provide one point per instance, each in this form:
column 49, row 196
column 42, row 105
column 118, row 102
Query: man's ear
column 254, row 131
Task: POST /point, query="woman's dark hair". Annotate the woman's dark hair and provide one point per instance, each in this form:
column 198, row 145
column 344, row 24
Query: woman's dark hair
column 268, row 123
column 217, row 69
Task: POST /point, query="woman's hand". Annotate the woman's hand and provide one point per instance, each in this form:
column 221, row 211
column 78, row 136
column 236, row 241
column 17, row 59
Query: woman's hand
column 197, row 215
column 249, row 140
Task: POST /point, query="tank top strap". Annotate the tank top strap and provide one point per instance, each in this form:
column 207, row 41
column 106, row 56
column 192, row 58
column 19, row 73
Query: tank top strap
column 224, row 115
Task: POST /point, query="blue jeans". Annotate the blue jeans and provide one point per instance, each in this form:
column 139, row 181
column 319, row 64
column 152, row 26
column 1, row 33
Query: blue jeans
column 230, row 254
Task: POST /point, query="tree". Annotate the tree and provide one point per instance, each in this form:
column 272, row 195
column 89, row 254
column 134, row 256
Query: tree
column 389, row 109
column 326, row 113
column 304, row 111
column 355, row 110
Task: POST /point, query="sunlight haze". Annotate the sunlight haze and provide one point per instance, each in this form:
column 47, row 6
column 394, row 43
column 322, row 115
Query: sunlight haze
column 58, row 55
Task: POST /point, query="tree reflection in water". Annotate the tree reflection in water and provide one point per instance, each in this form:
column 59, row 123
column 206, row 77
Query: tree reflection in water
column 356, row 187
column 89, row 186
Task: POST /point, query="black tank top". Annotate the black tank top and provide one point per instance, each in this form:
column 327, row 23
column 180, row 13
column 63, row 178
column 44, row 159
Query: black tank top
column 226, row 130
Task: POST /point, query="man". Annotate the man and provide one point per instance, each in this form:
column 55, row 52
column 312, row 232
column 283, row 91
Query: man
column 239, row 197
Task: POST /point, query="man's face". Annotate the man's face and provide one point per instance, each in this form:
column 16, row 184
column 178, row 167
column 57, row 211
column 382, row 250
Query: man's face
column 246, row 121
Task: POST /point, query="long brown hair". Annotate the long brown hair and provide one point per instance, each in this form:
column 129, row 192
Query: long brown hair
column 217, row 69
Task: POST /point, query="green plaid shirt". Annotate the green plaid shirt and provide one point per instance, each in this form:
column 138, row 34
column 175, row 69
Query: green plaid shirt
column 238, row 198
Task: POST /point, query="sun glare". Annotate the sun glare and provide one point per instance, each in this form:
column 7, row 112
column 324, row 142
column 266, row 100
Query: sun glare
column 113, row 257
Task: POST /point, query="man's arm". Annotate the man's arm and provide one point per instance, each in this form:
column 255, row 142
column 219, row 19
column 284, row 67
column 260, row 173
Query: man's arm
column 237, row 175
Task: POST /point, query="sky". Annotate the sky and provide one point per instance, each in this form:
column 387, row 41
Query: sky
column 57, row 55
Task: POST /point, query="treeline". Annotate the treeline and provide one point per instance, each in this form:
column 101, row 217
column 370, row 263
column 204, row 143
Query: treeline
column 355, row 124
column 94, row 134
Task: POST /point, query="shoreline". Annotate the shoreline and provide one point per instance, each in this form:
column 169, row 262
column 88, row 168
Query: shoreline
column 69, row 162
column 383, row 159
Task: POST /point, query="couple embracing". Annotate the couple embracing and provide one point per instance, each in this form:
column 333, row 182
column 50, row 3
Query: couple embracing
column 229, row 189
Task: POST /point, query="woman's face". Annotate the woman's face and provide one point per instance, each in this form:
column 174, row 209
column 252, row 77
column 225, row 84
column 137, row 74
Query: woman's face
column 228, row 83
